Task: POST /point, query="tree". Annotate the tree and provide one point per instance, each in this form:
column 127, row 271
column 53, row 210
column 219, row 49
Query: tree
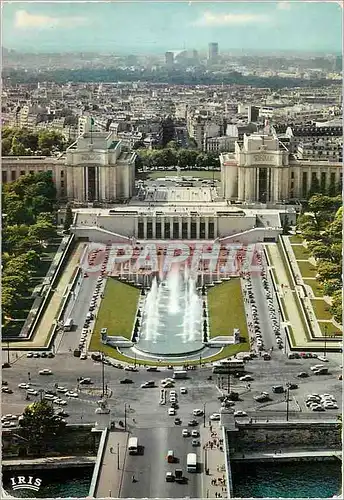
column 17, row 148
column 337, row 306
column 329, row 270
column 48, row 139
column 40, row 425
column 42, row 232
column 68, row 218
column 6, row 145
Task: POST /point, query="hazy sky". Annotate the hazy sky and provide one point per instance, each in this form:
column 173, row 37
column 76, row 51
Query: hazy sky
column 141, row 26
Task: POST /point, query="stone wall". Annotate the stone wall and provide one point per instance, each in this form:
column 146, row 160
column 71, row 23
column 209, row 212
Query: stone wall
column 258, row 436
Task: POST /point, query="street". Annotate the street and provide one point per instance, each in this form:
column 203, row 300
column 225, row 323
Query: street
column 149, row 469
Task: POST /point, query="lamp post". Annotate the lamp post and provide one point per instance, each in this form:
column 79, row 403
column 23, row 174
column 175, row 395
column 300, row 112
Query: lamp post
column 125, row 416
column 287, row 399
column 103, row 376
column 114, row 453
column 204, row 405
column 325, row 336
column 8, row 352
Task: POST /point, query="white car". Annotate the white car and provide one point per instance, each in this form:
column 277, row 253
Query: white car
column 197, row 412
column 183, row 390
column 246, row 378
column 29, row 355
column 215, row 416
column 171, row 412
column 83, row 356
column 173, row 394
column 23, row 386
column 240, row 413
column 71, row 394
column 32, row 392
column 194, row 433
column 50, row 397
column 323, row 359
column 185, row 433
column 316, row 367
column 45, row 371
column 61, row 389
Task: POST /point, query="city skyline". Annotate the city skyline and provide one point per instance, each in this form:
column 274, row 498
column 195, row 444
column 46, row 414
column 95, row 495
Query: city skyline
column 151, row 27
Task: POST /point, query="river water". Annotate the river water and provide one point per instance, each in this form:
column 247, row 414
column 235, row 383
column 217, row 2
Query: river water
column 257, row 480
column 287, row 480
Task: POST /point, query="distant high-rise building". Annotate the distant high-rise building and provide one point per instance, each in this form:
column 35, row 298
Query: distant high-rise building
column 213, row 51
column 169, row 58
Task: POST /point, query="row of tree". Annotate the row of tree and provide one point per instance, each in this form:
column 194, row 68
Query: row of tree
column 23, row 142
column 176, row 76
column 170, row 157
column 29, row 223
column 321, row 226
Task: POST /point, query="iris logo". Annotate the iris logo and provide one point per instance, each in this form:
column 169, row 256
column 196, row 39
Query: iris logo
column 26, row 483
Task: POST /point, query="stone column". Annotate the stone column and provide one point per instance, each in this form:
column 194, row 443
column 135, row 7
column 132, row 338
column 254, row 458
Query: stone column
column 215, row 226
column 180, row 228
column 154, row 227
column 189, row 227
column 241, row 183
column 144, row 227
column 206, row 228
column 136, row 227
column 171, row 228
column 249, row 185
column 256, row 194
column 198, row 227
column 162, row 227
column 86, row 183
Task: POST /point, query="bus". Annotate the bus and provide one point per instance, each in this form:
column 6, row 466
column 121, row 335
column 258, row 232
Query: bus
column 229, row 366
column 133, row 446
column 191, row 462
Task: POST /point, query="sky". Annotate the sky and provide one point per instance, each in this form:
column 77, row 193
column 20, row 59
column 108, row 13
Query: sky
column 152, row 27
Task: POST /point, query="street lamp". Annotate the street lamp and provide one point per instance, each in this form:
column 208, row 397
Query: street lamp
column 114, row 453
column 103, row 376
column 287, row 399
column 325, row 336
column 125, row 416
column 204, row 405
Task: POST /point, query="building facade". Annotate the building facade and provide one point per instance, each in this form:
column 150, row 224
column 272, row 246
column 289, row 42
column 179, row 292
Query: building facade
column 94, row 169
column 262, row 170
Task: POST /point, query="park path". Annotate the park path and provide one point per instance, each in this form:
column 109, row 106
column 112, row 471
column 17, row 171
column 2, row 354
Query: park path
column 42, row 331
column 288, row 296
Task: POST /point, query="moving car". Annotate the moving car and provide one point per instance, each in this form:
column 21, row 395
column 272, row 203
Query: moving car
column 45, row 371
column 240, row 413
column 215, row 416
column 126, row 381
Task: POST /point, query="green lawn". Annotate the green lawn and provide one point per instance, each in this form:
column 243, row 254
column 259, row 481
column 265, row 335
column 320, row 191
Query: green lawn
column 201, row 174
column 315, row 286
column 321, row 309
column 300, row 252
column 117, row 311
column 331, row 328
column 296, row 238
column 226, row 309
column 307, row 270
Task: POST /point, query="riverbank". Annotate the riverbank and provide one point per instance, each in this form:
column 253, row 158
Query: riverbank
column 48, row 463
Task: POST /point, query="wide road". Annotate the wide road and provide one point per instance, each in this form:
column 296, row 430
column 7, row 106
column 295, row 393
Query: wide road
column 149, row 468
column 77, row 309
